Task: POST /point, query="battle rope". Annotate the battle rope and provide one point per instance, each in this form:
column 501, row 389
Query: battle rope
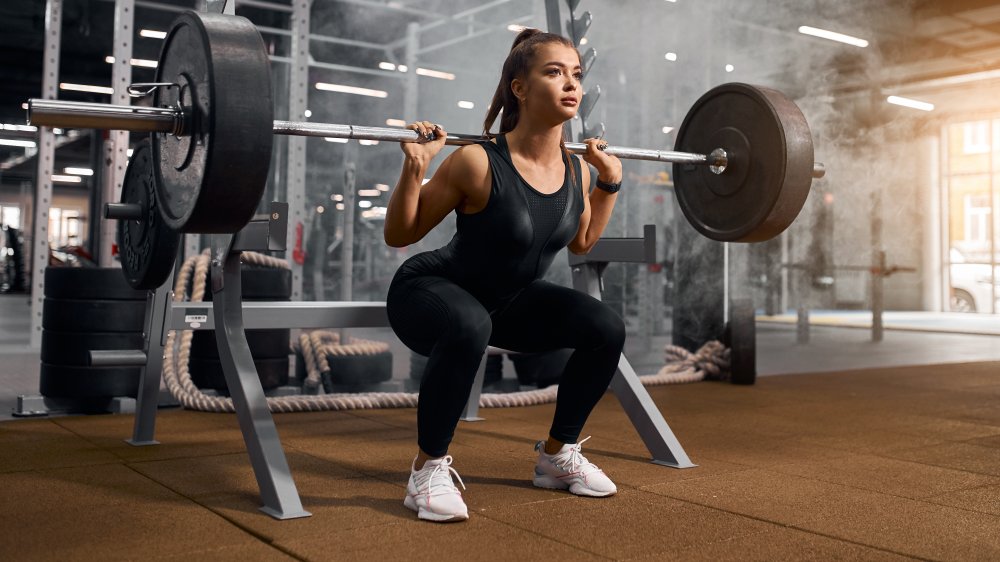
column 681, row 365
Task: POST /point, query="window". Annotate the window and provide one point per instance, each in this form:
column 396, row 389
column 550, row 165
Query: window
column 977, row 219
column 10, row 216
column 976, row 137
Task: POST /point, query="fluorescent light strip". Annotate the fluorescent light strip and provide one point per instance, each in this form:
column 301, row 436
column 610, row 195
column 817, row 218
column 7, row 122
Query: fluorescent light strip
column 435, row 74
column 670, row 57
column 912, row 104
column 516, row 28
column 382, row 187
column 86, row 88
column 395, row 122
column 351, row 90
column 79, row 171
column 466, row 104
column 367, row 142
column 364, row 204
column 26, row 128
column 17, row 143
column 832, row 36
column 153, row 34
column 135, row 62
column 66, row 179
column 369, row 193
column 666, row 130
column 386, row 66
column 334, row 139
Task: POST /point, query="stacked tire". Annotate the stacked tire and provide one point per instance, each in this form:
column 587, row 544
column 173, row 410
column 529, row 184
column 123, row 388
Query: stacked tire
column 269, row 348
column 89, row 308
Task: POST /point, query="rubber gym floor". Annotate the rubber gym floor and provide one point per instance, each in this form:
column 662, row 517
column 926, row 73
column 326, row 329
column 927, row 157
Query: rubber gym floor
column 844, row 450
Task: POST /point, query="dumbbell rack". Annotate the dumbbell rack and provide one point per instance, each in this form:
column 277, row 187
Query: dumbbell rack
column 229, row 317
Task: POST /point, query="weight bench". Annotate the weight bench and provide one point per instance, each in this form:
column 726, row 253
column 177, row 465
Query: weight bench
column 230, row 317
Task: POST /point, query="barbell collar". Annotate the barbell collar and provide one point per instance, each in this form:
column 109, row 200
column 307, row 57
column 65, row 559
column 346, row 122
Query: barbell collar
column 123, row 211
column 57, row 113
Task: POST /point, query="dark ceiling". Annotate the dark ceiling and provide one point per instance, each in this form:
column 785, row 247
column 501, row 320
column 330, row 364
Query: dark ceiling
column 914, row 41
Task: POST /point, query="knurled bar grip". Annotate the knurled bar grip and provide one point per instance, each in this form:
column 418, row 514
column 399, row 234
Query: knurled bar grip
column 58, row 113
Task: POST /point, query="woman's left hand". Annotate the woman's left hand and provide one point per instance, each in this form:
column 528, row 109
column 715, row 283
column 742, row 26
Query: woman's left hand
column 609, row 168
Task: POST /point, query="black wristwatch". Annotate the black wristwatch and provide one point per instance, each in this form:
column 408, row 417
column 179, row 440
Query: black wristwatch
column 609, row 187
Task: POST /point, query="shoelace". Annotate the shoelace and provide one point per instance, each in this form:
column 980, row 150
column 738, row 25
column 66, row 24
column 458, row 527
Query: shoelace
column 574, row 459
column 442, row 472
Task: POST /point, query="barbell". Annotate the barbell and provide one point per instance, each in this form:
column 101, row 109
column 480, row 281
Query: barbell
column 742, row 162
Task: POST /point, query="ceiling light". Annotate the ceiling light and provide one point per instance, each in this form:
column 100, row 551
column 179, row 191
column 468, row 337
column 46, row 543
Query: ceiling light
column 730, row 68
column 832, row 36
column 666, row 130
column 340, row 206
column 86, row 88
column 351, row 90
column 395, row 122
column 386, row 66
column 369, row 193
column 516, row 28
column 364, row 204
column 367, row 142
column 670, row 57
column 382, row 187
column 307, row 113
column 18, row 143
column 135, row 62
column 153, row 34
column 584, row 41
column 913, row 104
column 66, row 179
column 402, row 68
column 466, row 104
column 334, row 139
column 336, row 197
column 435, row 74
column 79, row 171
column 26, row 128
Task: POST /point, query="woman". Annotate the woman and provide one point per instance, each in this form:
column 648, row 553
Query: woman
column 519, row 198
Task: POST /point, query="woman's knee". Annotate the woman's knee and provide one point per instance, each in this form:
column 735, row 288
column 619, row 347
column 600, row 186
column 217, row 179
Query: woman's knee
column 469, row 329
column 607, row 329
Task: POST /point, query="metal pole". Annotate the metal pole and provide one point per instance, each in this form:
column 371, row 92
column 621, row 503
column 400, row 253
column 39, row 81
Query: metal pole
column 298, row 95
column 121, row 77
column 410, row 85
column 43, row 178
column 347, row 246
column 878, row 282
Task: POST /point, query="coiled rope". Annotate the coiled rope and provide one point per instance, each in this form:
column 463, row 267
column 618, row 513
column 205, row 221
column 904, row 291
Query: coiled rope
column 682, row 366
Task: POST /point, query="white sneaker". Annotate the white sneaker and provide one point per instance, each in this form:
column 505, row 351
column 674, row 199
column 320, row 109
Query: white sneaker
column 570, row 470
column 432, row 493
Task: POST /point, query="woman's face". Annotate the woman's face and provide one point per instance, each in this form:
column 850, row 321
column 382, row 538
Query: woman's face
column 551, row 91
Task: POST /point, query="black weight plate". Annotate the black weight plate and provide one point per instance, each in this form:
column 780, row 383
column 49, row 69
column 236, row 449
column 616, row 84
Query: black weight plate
column 71, row 348
column 264, row 344
column 60, row 381
column 147, row 247
column 105, row 283
column 770, row 152
column 207, row 373
column 357, row 370
column 66, row 315
column 260, row 284
column 742, row 334
column 211, row 179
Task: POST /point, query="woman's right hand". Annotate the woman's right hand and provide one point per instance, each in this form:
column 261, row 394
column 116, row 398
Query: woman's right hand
column 425, row 149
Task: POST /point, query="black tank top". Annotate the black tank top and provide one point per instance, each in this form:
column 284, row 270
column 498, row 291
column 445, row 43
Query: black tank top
column 512, row 241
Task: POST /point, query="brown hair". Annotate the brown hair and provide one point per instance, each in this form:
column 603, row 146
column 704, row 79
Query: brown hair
column 517, row 65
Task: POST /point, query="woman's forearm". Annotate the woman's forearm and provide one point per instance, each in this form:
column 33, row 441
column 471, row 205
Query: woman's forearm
column 401, row 215
column 601, row 205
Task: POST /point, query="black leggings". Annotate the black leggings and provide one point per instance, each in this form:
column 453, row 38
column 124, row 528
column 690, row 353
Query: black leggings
column 435, row 317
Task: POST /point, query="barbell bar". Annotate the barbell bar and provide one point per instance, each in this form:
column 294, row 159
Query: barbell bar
column 743, row 159
column 137, row 119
